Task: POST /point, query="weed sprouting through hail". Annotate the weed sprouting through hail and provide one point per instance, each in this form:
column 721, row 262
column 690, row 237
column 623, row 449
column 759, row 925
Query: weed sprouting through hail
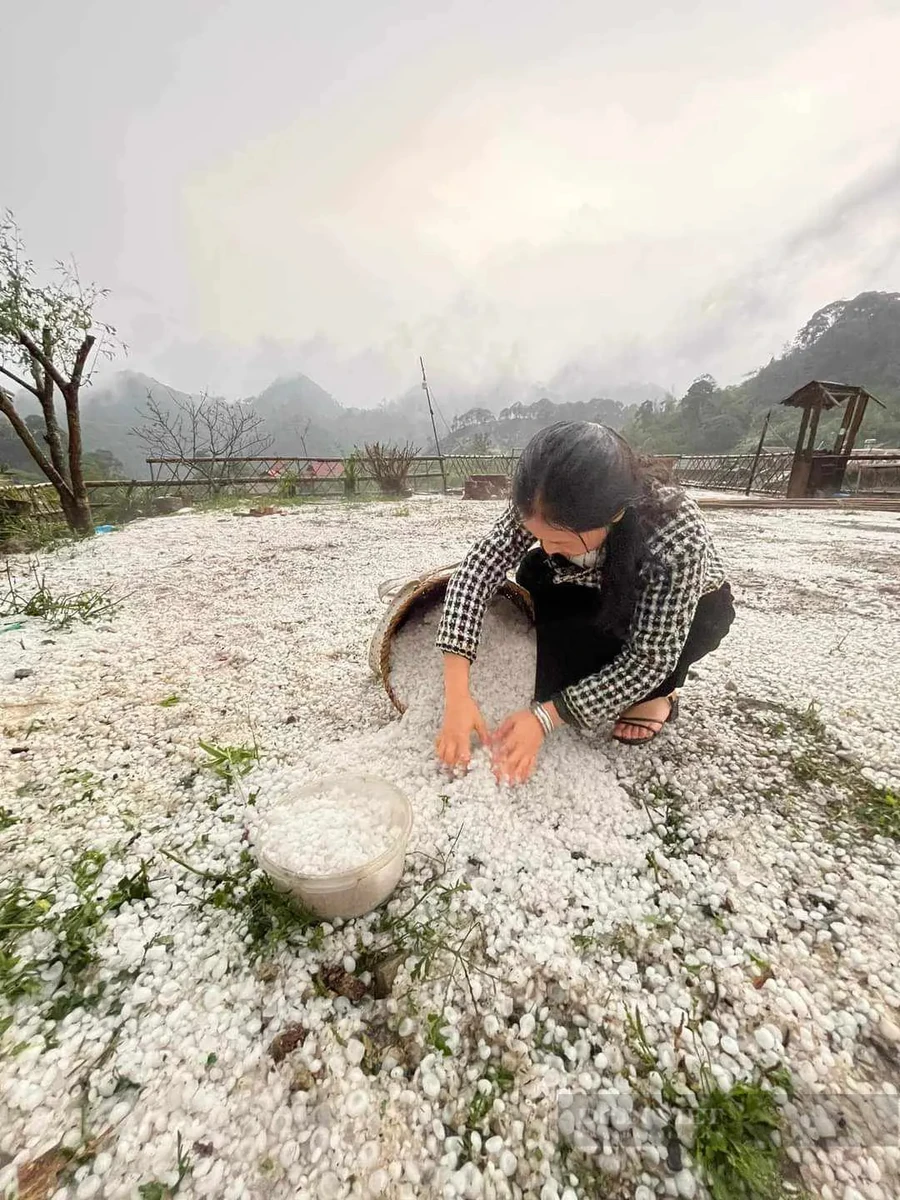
column 495, row 1082
column 156, row 1190
column 636, row 1037
column 22, row 911
column 870, row 807
column 434, row 1035
column 735, row 1130
column 435, row 935
column 73, row 932
column 84, row 781
column 668, row 819
column 879, row 810
column 814, row 761
column 229, row 763
column 734, row 1144
column 810, row 720
column 269, row 919
column 59, row 610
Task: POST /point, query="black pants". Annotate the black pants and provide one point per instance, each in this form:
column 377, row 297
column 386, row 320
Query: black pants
column 571, row 643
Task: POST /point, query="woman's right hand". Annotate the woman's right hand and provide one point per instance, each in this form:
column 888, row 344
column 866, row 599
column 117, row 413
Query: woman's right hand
column 462, row 718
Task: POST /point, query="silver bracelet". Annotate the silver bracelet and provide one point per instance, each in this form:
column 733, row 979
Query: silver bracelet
column 543, row 717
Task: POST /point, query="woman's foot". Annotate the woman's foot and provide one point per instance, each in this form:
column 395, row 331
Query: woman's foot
column 642, row 722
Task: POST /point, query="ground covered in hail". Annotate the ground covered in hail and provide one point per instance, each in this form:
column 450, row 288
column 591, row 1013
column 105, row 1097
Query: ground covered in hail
column 669, row 971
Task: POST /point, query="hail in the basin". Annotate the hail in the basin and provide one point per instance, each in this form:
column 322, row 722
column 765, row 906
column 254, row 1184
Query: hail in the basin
column 326, row 832
column 502, row 676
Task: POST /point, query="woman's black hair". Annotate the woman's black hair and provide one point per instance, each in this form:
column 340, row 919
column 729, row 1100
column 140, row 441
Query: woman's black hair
column 579, row 475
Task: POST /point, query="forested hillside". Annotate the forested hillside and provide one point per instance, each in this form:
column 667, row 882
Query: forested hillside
column 851, row 341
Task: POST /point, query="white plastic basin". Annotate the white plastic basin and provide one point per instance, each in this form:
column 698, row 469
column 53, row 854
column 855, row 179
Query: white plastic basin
column 351, row 893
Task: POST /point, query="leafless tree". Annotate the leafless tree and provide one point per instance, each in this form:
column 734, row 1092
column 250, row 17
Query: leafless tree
column 203, row 431
column 390, row 465
column 48, row 337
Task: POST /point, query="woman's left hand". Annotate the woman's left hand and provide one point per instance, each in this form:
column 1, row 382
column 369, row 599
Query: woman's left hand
column 515, row 746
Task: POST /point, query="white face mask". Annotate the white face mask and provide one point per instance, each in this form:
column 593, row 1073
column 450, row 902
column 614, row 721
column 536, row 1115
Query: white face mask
column 588, row 559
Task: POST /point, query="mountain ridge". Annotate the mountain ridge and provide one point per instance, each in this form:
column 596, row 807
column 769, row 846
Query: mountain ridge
column 852, row 341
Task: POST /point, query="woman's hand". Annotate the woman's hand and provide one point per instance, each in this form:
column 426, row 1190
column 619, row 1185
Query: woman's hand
column 516, row 745
column 462, row 718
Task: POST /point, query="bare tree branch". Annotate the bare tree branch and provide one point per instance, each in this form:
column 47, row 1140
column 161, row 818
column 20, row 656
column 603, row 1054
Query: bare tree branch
column 80, row 359
column 302, row 436
column 163, row 435
column 7, row 407
column 199, row 428
column 29, row 387
column 47, row 363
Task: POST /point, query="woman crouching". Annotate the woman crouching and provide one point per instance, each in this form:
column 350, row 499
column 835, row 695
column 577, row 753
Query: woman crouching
column 627, row 587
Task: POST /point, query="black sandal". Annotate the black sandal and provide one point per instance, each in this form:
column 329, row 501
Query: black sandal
column 647, row 723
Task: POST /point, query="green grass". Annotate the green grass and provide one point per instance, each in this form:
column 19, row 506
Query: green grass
column 58, row 609
column 431, row 933
column 762, row 966
column 7, row 820
column 806, row 767
column 86, row 781
column 479, row 1110
column 276, row 497
column 169, row 702
column 74, row 930
column 28, row 533
column 433, row 1036
column 872, row 808
column 585, row 943
column 637, row 1041
column 668, row 818
column 119, row 505
column 333, row 495
column 22, row 911
column 623, row 940
column 502, row 1082
column 269, row 920
column 733, row 1130
column 229, row 763
column 733, row 1143
column 155, row 1190
column 879, row 811
column 816, row 762
column 427, row 927
column 810, row 720
column 130, row 888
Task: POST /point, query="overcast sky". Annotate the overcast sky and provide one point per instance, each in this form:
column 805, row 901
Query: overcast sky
column 501, row 185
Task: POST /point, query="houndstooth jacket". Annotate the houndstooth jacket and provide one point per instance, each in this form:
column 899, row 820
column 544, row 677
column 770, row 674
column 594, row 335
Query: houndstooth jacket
column 681, row 565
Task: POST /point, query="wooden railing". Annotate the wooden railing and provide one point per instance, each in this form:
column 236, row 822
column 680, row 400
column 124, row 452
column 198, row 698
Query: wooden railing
column 286, row 475
column 768, row 475
column 868, row 473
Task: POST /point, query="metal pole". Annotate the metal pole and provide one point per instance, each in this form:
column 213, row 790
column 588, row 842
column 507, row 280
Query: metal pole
column 756, row 457
column 433, row 425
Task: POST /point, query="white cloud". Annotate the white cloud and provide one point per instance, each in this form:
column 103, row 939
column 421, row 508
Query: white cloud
column 572, row 207
column 499, row 187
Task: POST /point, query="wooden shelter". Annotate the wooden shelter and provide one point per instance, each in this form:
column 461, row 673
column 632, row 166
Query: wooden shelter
column 821, row 472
